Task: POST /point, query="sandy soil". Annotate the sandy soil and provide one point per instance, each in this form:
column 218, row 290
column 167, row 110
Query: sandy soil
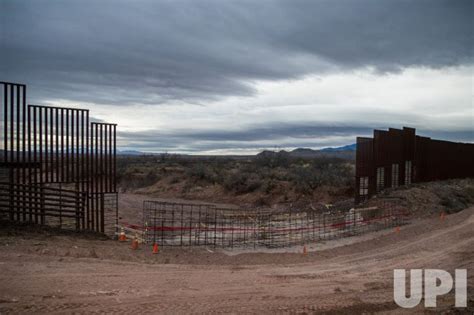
column 45, row 271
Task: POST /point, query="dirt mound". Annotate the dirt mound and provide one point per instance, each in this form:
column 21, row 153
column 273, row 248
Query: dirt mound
column 425, row 199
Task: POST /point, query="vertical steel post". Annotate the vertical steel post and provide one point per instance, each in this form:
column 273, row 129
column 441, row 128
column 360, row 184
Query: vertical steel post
column 88, row 174
column 10, row 170
column 40, row 134
column 5, row 123
column 57, row 162
column 35, row 157
column 114, row 176
column 67, row 145
column 24, row 150
column 12, row 123
column 92, row 171
column 51, row 135
column 101, row 172
column 18, row 135
column 62, row 145
column 72, row 159
column 96, row 176
column 46, row 147
column 110, row 172
column 12, row 150
column 30, row 167
column 76, row 152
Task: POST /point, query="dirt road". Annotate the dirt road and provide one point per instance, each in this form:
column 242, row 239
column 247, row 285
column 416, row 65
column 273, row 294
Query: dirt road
column 42, row 273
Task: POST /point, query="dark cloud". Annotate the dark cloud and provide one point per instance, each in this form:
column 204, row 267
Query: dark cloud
column 117, row 52
column 149, row 52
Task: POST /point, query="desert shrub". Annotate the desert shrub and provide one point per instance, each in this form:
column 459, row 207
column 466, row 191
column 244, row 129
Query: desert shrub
column 242, row 182
column 201, row 172
column 268, row 186
column 307, row 178
column 273, row 159
column 132, row 179
column 263, row 173
column 150, row 178
column 175, row 180
column 454, row 201
column 469, row 195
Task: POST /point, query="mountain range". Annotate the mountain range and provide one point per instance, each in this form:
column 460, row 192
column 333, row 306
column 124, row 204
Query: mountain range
column 347, row 151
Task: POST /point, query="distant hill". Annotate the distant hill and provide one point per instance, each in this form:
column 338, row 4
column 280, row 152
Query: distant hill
column 132, row 152
column 344, row 152
column 349, row 147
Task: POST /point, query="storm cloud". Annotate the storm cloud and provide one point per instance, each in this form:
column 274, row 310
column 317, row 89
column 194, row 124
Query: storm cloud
column 151, row 51
column 195, row 53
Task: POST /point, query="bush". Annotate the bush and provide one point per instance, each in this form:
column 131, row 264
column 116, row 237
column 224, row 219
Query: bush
column 242, row 182
column 133, row 179
column 308, row 178
column 202, row 172
column 268, row 186
column 273, row 159
column 150, row 178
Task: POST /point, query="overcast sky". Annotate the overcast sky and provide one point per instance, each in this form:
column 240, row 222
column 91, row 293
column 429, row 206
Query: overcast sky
column 219, row 77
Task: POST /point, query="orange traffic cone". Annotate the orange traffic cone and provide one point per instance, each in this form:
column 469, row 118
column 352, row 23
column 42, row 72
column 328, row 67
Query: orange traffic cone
column 155, row 248
column 442, row 215
column 397, row 229
column 122, row 237
column 135, row 243
column 305, row 250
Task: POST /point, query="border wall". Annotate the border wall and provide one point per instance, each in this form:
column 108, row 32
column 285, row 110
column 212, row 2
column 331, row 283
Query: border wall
column 399, row 157
column 57, row 167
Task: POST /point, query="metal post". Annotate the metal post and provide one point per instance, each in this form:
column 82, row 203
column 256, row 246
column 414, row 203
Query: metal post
column 67, row 146
column 62, row 146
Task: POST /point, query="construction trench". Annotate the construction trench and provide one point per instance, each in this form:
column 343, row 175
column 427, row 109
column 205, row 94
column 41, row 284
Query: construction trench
column 188, row 224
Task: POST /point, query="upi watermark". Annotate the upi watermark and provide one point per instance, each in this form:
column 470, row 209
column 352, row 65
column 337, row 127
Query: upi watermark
column 436, row 282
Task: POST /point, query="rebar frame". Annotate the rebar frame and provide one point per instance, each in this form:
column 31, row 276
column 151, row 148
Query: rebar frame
column 50, row 151
column 178, row 224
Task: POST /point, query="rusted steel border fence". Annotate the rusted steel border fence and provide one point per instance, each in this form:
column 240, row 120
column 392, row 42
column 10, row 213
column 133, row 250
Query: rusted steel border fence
column 45, row 205
column 48, row 148
column 176, row 224
column 399, row 157
column 102, row 173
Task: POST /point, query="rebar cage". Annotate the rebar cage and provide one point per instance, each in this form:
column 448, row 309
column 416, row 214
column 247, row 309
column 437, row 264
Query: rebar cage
column 178, row 224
